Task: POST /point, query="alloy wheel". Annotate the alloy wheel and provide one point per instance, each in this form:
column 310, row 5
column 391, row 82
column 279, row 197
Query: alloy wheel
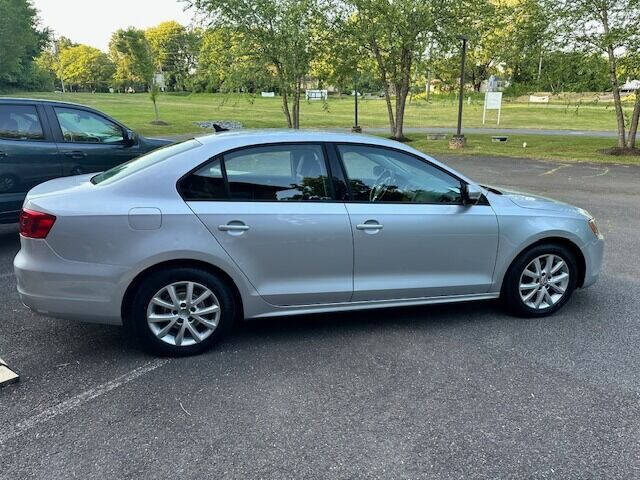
column 183, row 313
column 544, row 281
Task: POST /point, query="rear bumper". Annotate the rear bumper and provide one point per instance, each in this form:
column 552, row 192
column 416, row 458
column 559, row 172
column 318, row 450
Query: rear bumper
column 55, row 287
column 593, row 253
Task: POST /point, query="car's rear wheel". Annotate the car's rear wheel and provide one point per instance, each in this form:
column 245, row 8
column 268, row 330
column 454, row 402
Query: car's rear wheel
column 182, row 311
column 540, row 281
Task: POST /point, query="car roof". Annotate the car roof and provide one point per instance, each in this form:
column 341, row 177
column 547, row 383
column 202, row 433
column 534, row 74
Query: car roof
column 41, row 100
column 256, row 137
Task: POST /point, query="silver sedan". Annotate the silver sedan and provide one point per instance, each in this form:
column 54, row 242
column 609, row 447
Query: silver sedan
column 180, row 242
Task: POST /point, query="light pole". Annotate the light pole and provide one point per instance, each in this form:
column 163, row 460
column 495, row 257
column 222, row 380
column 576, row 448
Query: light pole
column 356, row 128
column 458, row 140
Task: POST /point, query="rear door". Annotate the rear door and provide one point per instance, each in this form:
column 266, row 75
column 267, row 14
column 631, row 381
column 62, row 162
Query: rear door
column 28, row 155
column 271, row 208
column 412, row 235
column 88, row 141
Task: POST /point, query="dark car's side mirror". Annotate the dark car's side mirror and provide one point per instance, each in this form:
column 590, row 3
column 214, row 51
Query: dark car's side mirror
column 471, row 194
column 130, row 137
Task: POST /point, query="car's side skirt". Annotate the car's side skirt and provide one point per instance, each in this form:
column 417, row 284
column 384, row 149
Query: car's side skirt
column 341, row 307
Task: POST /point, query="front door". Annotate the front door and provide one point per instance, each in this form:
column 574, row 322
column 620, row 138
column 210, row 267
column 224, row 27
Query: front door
column 28, row 156
column 271, row 209
column 413, row 237
column 89, row 142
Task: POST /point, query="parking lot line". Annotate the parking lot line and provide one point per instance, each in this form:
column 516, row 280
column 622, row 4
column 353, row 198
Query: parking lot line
column 7, row 375
column 78, row 400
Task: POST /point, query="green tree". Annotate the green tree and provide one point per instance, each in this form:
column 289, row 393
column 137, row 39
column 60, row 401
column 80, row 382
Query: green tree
column 226, row 64
column 131, row 54
column 608, row 27
column 395, row 33
column 174, row 50
column 85, row 67
column 341, row 60
column 49, row 59
column 278, row 33
column 20, row 42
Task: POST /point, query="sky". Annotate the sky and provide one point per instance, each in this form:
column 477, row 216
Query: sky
column 93, row 21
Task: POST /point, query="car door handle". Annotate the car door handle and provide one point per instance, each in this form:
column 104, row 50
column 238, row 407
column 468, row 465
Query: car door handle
column 75, row 154
column 369, row 226
column 2, row 154
column 233, row 228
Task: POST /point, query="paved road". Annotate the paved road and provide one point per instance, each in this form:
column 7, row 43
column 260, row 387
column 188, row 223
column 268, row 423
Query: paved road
column 501, row 131
column 460, row 391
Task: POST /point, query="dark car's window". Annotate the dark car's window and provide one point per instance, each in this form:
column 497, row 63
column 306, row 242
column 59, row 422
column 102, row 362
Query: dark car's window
column 267, row 173
column 20, row 122
column 385, row 175
column 81, row 126
column 140, row 163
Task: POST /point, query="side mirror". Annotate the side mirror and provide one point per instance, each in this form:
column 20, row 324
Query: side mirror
column 471, row 194
column 130, row 137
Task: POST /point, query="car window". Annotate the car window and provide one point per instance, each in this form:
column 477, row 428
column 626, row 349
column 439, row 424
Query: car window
column 385, row 175
column 266, row 173
column 81, row 126
column 20, row 122
column 207, row 183
column 125, row 169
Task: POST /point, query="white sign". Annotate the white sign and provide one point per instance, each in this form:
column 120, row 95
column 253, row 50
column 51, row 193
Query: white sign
column 492, row 101
column 158, row 80
column 538, row 99
column 268, row 94
column 316, row 94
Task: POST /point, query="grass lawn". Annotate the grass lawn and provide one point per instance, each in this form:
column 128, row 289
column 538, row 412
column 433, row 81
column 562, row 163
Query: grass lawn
column 549, row 147
column 182, row 110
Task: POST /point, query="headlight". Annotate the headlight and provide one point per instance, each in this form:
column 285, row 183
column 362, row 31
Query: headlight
column 594, row 227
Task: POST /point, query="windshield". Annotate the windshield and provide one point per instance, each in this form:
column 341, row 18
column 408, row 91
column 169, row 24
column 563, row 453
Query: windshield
column 140, row 163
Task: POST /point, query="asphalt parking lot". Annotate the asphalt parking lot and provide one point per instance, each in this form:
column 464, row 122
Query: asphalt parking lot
column 461, row 391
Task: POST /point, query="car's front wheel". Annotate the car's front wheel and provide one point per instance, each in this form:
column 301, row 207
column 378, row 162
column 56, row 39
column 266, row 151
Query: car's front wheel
column 540, row 281
column 182, row 311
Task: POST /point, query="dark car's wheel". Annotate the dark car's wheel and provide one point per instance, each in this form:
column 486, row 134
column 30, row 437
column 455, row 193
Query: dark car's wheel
column 540, row 281
column 181, row 311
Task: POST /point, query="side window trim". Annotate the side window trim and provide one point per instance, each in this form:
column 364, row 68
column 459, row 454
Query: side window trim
column 337, row 172
column 46, row 125
column 220, row 157
column 43, row 126
column 384, row 147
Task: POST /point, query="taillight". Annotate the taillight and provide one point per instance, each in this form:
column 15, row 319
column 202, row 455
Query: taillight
column 35, row 224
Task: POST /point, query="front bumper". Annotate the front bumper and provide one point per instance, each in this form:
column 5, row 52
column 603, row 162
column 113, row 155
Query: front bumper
column 593, row 253
column 55, row 287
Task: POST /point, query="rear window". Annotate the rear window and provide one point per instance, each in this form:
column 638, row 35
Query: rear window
column 125, row 169
column 20, row 122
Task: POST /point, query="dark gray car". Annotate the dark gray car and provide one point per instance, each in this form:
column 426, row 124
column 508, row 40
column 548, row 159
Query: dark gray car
column 42, row 139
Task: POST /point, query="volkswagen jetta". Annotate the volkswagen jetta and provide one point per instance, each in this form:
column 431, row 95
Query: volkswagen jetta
column 180, row 242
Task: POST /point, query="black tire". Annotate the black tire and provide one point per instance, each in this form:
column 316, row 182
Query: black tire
column 155, row 282
column 511, row 284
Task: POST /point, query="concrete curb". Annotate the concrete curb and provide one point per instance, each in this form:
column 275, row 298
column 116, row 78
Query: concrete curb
column 7, row 376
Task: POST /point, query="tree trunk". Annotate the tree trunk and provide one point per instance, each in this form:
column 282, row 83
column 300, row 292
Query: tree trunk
column 155, row 108
column 296, row 117
column 635, row 116
column 383, row 76
column 401, row 98
column 613, row 77
column 402, row 90
column 285, row 108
